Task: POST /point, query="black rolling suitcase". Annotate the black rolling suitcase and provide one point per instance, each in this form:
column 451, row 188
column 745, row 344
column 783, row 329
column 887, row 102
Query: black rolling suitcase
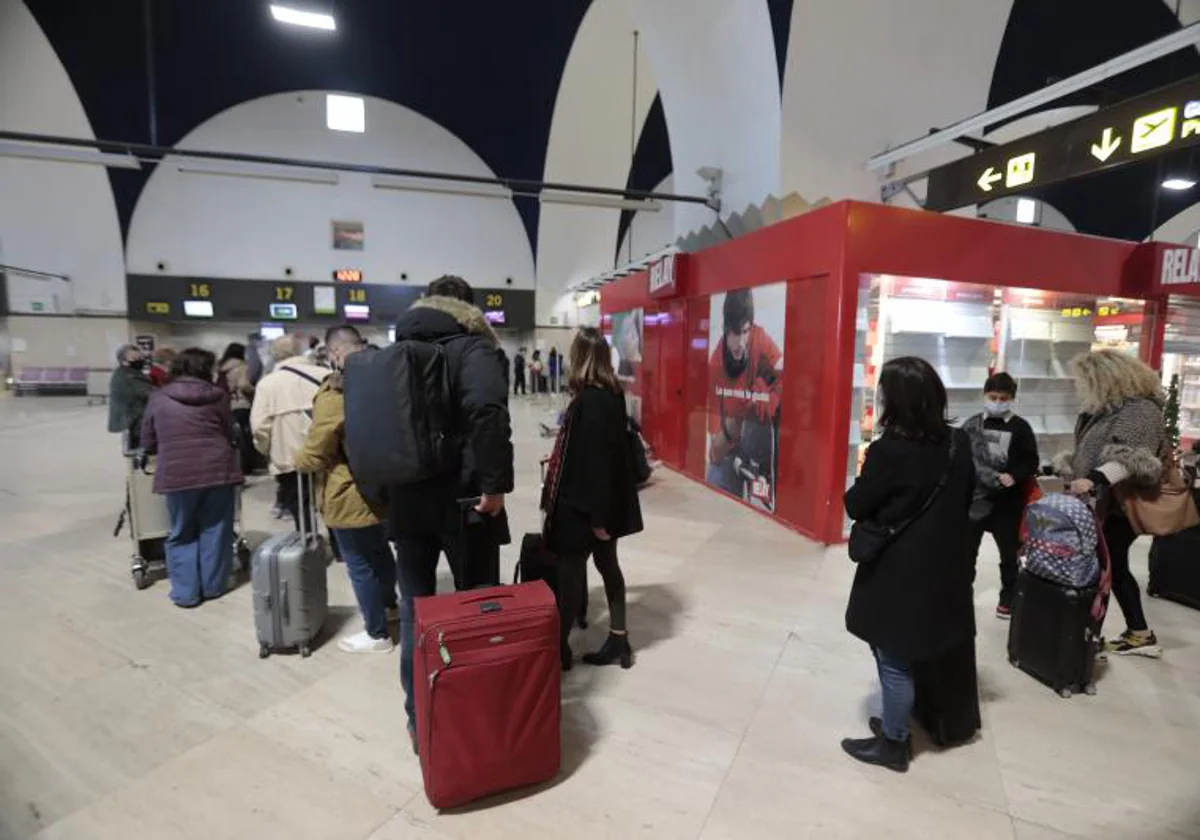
column 536, row 562
column 1054, row 635
column 1175, row 568
column 947, row 696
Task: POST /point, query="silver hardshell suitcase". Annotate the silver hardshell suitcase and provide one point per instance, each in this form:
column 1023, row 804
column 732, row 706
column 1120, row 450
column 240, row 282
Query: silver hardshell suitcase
column 291, row 595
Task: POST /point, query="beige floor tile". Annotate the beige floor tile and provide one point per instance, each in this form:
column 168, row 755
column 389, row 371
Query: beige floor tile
column 352, row 723
column 810, row 797
column 105, row 731
column 237, row 785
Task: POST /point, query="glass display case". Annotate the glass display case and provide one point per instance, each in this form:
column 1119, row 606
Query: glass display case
column 1181, row 356
column 969, row 331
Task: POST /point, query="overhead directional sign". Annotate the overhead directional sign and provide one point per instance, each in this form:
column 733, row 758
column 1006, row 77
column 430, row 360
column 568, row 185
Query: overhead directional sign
column 1135, row 130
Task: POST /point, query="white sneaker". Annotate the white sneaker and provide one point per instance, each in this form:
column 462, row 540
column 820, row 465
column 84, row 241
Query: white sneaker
column 362, row 643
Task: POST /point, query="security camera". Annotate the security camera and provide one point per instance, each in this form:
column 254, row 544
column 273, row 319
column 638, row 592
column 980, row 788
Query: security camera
column 710, row 173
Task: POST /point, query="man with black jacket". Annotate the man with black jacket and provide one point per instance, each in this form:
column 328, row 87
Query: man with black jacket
column 461, row 512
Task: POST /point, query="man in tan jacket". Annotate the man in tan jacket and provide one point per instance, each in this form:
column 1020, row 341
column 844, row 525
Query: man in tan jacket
column 282, row 413
column 355, row 524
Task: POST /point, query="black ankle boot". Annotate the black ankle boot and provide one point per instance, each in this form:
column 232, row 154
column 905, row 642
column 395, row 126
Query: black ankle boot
column 876, row 725
column 568, row 658
column 615, row 648
column 878, row 750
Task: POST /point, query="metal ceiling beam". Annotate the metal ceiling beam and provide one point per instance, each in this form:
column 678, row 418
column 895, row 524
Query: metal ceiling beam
column 1185, row 37
column 155, row 154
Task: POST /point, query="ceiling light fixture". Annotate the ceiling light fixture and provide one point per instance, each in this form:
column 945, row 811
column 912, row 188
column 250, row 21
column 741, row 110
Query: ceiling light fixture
column 299, row 17
column 438, row 187
column 1178, row 184
column 269, row 172
column 66, row 154
column 1026, row 211
column 614, row 203
column 345, row 113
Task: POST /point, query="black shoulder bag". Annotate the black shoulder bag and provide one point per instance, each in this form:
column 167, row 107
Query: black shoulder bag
column 869, row 539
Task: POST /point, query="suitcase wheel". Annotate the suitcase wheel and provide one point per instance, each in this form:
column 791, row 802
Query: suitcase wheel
column 1065, row 693
column 264, row 651
column 140, row 579
column 305, row 651
column 1090, row 689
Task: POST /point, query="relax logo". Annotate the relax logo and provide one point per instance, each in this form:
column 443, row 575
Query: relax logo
column 1180, row 266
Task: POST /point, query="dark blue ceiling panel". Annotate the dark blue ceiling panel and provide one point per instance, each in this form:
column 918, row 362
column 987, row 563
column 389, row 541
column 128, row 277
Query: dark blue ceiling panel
column 487, row 71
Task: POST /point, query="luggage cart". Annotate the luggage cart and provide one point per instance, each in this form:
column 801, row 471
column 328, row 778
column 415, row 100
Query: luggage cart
column 150, row 523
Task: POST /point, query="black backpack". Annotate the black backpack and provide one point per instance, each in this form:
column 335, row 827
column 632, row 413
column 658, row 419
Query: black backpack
column 398, row 414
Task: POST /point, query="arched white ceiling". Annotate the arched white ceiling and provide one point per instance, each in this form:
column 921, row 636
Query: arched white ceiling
column 219, row 226
column 591, row 142
column 716, row 69
column 1182, row 227
column 862, row 75
column 54, row 217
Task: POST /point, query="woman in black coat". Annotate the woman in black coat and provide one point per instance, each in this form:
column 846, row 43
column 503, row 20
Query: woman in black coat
column 590, row 494
column 913, row 603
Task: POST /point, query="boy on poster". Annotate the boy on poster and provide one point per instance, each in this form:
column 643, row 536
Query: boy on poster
column 746, row 380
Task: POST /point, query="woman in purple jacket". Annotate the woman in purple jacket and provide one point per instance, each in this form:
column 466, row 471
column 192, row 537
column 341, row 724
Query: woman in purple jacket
column 189, row 424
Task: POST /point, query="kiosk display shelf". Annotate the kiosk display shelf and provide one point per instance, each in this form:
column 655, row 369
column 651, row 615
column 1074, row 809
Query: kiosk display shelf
column 1181, row 356
column 968, row 332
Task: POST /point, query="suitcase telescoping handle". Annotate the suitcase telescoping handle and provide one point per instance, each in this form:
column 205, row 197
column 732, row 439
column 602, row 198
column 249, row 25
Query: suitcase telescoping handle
column 306, row 506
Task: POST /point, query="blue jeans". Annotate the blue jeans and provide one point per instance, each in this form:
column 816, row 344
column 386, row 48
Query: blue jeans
column 372, row 571
column 895, row 677
column 200, row 545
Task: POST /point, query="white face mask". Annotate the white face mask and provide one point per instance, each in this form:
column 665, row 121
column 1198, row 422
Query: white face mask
column 996, row 409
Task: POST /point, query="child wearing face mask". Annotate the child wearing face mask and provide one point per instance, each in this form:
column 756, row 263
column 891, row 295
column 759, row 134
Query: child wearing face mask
column 1006, row 460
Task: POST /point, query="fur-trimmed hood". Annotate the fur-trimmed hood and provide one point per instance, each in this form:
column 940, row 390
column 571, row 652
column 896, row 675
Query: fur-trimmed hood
column 435, row 317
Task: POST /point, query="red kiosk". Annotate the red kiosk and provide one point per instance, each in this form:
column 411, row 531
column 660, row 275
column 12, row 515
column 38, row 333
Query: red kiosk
column 751, row 364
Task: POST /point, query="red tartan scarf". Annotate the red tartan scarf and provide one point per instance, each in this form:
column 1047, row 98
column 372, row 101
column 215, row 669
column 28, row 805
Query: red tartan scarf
column 554, row 467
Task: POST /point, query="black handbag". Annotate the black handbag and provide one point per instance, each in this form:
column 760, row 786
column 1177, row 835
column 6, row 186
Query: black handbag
column 869, row 539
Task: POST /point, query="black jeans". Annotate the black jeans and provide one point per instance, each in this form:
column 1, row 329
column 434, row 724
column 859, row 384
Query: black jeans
column 1004, row 524
column 246, row 451
column 474, row 560
column 287, row 493
column 1119, row 536
column 572, row 575
column 519, row 383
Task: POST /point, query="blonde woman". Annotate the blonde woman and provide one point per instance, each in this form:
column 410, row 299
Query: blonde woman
column 1118, row 438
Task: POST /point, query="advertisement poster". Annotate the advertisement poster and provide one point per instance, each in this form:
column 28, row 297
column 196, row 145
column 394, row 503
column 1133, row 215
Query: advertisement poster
column 625, row 341
column 745, row 381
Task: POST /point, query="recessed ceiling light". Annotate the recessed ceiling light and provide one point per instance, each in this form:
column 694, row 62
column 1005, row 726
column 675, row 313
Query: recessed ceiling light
column 1178, row 184
column 1026, row 211
column 299, row 17
column 345, row 113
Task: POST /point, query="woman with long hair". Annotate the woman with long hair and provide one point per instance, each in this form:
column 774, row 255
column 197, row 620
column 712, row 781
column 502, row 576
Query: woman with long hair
column 912, row 599
column 1118, row 438
column 590, row 494
column 233, row 374
column 188, row 423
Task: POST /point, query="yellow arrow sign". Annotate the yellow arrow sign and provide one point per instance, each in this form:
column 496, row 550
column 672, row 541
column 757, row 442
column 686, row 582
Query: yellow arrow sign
column 989, row 177
column 1108, row 144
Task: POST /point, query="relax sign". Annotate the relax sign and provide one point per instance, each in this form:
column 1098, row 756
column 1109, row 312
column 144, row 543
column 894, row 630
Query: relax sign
column 1180, row 266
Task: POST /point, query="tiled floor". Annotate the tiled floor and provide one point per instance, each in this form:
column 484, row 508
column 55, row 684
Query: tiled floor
column 122, row 716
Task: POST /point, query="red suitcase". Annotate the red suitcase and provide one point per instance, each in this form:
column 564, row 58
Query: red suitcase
column 487, row 677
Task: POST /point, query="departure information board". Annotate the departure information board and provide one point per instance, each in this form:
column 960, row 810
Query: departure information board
column 155, row 297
